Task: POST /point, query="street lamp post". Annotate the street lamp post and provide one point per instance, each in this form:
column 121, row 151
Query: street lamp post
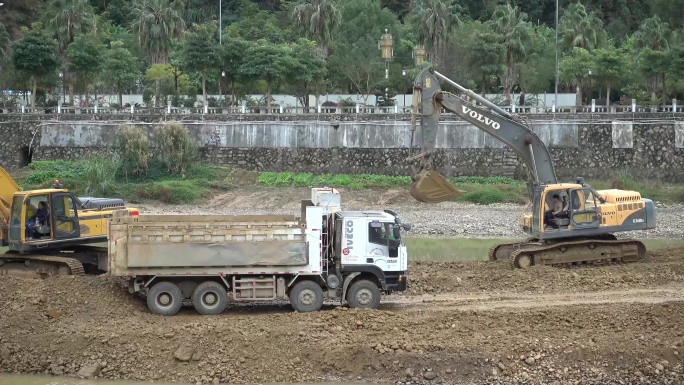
column 590, row 88
column 403, row 73
column 223, row 75
column 386, row 45
column 61, row 85
column 220, row 33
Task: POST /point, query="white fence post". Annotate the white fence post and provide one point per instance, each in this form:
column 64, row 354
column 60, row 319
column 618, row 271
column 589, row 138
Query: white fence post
column 59, row 108
column 674, row 105
column 206, row 109
column 22, row 108
column 319, row 108
column 281, row 109
column 553, row 107
column 243, row 108
column 132, row 108
column 633, row 105
column 593, row 105
column 357, row 108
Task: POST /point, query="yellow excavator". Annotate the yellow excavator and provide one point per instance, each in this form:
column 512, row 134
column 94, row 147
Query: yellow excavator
column 53, row 232
column 570, row 223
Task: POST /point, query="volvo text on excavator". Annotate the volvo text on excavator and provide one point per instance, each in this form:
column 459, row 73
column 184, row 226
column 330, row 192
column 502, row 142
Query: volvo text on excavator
column 51, row 231
column 581, row 232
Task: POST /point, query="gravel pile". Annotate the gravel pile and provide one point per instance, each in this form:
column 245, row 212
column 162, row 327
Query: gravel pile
column 448, row 219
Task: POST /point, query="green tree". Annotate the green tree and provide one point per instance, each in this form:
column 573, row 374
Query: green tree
column 35, row 55
column 85, row 55
column 201, row 52
column 232, row 55
column 308, row 68
column 574, row 68
column 157, row 73
column 67, row 19
column 579, row 28
column 256, row 24
column 510, row 23
column 355, row 62
column 119, row 68
column 434, row 21
column 269, row 62
column 157, row 23
column 486, row 57
column 612, row 67
column 652, row 40
column 320, row 19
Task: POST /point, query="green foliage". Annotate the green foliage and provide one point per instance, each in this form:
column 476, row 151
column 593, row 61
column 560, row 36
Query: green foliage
column 133, row 147
column 119, row 68
column 176, row 148
column 35, row 55
column 486, row 196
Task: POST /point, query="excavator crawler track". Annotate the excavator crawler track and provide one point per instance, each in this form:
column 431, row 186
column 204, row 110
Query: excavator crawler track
column 598, row 251
column 501, row 251
column 46, row 265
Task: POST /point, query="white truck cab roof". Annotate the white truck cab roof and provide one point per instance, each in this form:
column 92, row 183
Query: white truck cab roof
column 379, row 215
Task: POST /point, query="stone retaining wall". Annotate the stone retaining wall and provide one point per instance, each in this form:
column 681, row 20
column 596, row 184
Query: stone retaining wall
column 592, row 149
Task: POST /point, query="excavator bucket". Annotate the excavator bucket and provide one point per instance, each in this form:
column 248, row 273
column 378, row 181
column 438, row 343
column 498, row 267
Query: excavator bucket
column 430, row 187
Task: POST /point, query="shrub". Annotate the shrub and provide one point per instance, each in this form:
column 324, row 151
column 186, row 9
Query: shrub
column 133, row 147
column 176, row 149
column 99, row 174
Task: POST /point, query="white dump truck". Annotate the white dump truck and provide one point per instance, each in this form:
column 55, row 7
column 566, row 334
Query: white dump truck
column 352, row 256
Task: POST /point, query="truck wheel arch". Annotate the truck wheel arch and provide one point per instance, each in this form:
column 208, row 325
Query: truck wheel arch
column 369, row 274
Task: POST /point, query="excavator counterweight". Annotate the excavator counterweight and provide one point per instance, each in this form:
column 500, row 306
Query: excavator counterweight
column 577, row 231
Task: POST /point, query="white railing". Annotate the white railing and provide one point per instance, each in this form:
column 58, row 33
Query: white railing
column 325, row 110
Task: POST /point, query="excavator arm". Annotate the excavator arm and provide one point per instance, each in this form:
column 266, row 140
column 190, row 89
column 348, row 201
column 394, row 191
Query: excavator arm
column 431, row 187
column 8, row 187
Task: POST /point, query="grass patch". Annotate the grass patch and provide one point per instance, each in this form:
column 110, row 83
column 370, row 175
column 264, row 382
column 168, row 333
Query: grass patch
column 100, row 176
column 477, row 249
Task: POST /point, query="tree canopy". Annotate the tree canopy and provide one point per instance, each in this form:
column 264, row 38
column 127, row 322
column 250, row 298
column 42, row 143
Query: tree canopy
column 174, row 50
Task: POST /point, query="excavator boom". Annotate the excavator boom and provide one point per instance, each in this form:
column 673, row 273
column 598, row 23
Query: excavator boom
column 430, row 186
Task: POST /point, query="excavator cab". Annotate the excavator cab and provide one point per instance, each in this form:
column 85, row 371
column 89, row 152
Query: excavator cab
column 579, row 208
column 42, row 216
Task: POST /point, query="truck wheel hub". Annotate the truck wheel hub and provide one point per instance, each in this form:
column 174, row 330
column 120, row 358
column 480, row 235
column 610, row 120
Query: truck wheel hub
column 364, row 296
column 307, row 297
column 164, row 299
column 209, row 298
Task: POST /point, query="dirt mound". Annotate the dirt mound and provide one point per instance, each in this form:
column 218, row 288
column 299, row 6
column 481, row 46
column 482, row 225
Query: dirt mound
column 661, row 267
column 481, row 323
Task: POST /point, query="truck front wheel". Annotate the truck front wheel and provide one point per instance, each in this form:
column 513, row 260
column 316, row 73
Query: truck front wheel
column 306, row 296
column 164, row 298
column 364, row 294
column 210, row 298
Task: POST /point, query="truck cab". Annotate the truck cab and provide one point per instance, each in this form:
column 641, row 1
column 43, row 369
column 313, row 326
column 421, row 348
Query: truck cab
column 371, row 243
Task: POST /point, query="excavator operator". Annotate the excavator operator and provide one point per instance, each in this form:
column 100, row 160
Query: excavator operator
column 555, row 212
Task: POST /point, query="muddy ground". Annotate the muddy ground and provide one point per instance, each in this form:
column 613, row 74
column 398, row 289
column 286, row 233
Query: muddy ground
column 475, row 323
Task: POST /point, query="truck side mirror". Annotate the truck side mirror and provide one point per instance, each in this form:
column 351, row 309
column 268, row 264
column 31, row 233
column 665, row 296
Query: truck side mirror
column 397, row 232
column 406, row 226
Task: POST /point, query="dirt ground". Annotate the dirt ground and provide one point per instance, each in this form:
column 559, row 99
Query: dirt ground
column 474, row 323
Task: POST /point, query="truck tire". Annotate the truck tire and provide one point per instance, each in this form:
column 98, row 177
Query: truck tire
column 364, row 294
column 210, row 298
column 164, row 298
column 306, row 296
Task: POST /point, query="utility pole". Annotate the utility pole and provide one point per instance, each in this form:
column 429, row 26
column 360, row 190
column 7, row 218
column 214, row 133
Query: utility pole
column 220, row 33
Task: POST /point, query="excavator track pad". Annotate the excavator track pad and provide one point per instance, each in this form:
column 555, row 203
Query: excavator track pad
column 430, row 187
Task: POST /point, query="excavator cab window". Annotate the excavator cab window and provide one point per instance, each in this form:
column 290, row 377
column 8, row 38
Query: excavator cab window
column 584, row 213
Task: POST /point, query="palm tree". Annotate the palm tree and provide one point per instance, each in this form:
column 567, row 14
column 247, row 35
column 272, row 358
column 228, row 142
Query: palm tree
column 652, row 39
column 581, row 29
column 435, row 20
column 69, row 19
column 157, row 23
column 653, row 33
column 510, row 23
column 320, row 19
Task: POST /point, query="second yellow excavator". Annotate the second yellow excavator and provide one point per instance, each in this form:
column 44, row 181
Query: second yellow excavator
column 570, row 223
column 52, row 231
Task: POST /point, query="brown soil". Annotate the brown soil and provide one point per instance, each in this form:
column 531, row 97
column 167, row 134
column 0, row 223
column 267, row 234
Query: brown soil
column 479, row 323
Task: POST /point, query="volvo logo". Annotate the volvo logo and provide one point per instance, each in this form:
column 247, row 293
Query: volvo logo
column 477, row 116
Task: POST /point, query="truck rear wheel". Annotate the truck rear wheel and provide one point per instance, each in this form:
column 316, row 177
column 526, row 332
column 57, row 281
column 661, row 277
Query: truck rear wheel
column 364, row 294
column 164, row 298
column 210, row 298
column 306, row 296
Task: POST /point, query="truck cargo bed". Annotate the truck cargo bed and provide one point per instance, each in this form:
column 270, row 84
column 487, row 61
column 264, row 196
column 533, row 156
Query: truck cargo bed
column 205, row 241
